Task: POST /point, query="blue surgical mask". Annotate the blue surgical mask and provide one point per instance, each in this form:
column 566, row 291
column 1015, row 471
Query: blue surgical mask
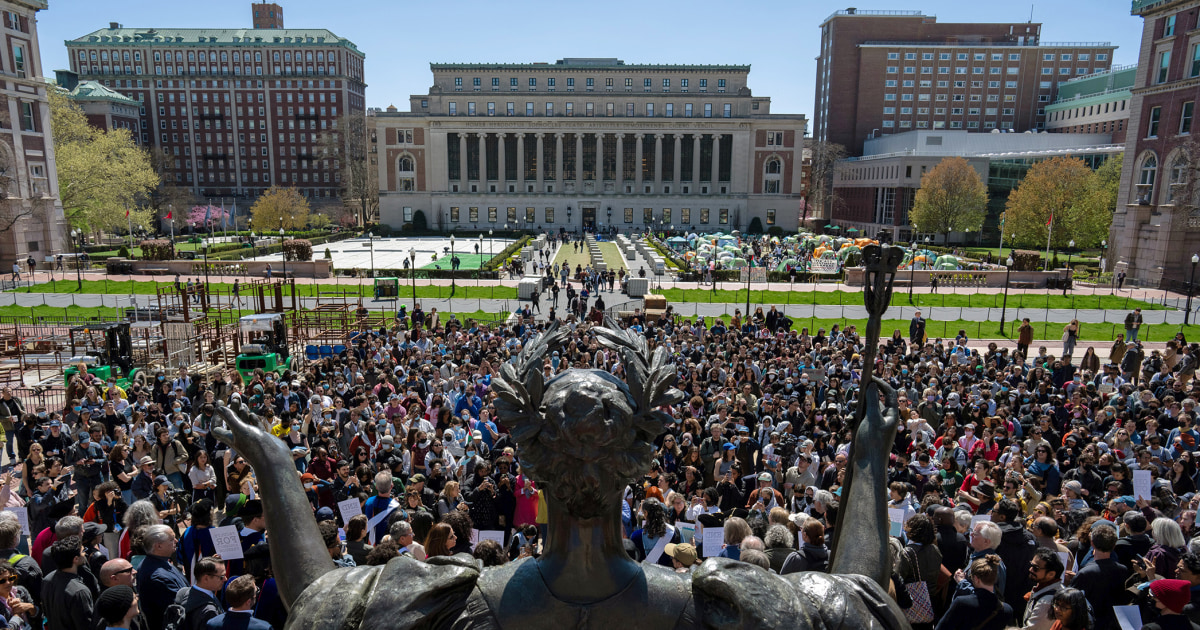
column 470, row 454
column 161, row 377
column 78, row 409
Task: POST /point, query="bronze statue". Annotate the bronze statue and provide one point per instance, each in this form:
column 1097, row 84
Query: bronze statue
column 582, row 435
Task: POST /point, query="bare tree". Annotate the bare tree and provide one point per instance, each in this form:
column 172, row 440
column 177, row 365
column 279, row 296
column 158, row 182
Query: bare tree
column 821, row 198
column 167, row 197
column 349, row 149
column 11, row 210
column 1182, row 176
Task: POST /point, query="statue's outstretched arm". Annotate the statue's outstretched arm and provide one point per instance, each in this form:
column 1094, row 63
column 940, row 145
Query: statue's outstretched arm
column 864, row 506
column 298, row 555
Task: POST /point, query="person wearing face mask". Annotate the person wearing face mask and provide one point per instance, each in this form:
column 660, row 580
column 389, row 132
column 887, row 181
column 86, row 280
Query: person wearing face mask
column 87, row 457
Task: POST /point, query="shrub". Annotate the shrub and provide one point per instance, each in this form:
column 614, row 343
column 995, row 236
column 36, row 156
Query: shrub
column 328, row 254
column 419, row 222
column 755, row 226
column 775, row 230
column 1026, row 260
column 158, row 249
column 123, row 252
column 297, row 250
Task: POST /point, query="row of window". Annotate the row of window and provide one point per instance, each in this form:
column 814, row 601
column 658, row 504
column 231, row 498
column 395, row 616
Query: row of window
column 213, row 70
column 589, row 109
column 1162, row 72
column 590, row 83
column 1186, row 114
column 247, row 178
column 954, row 124
column 1090, row 110
column 204, row 57
column 994, row 56
column 991, row 98
column 648, row 215
column 993, row 70
column 954, row 111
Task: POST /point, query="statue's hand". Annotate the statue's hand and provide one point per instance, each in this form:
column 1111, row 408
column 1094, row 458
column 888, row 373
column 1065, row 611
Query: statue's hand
column 245, row 432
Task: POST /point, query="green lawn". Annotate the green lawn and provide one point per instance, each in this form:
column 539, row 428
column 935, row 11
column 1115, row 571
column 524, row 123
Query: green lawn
column 612, row 256
column 468, row 261
column 465, row 289
column 1048, row 334
column 900, row 298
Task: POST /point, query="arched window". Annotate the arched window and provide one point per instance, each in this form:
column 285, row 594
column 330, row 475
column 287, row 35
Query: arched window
column 406, row 164
column 1178, row 181
column 773, row 175
column 406, row 180
column 1146, row 174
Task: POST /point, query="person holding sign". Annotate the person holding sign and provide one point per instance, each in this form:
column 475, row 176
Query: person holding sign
column 652, row 539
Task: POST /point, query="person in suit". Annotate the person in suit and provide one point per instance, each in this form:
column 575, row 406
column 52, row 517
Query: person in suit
column 240, row 595
column 157, row 579
column 200, row 602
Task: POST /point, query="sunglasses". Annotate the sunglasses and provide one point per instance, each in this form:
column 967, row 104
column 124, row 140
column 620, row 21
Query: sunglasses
column 129, row 570
column 8, row 580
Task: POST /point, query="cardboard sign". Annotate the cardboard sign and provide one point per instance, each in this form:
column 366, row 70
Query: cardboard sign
column 491, row 534
column 349, row 509
column 1142, row 484
column 22, row 516
column 1128, row 617
column 227, row 542
column 714, row 541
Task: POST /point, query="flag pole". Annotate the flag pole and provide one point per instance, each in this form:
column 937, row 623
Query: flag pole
column 130, row 221
column 1049, row 224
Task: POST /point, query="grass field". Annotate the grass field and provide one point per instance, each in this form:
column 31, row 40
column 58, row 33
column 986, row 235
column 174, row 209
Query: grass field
column 52, row 313
column 464, row 289
column 468, row 261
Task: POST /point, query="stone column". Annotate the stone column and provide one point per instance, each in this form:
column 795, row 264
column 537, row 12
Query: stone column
column 620, row 163
column 578, row 163
column 558, row 160
column 462, row 161
column 696, row 160
column 658, row 138
column 541, row 163
column 599, row 161
column 637, row 171
column 521, row 162
column 501, row 159
column 716, row 160
column 675, row 162
column 483, row 162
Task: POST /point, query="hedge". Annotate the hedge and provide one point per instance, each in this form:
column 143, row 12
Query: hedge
column 243, row 252
column 158, row 249
column 297, row 249
column 502, row 258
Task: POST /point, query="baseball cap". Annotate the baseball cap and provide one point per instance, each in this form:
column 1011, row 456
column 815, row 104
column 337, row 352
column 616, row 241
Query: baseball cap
column 728, row 446
column 764, row 476
column 685, row 554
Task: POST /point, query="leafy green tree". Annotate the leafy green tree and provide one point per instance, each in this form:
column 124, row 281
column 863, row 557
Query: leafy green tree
column 1080, row 200
column 952, row 198
column 280, row 207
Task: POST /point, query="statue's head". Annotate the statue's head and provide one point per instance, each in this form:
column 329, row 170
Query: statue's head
column 585, row 434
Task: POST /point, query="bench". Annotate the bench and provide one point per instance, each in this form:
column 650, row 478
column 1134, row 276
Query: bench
column 1024, row 285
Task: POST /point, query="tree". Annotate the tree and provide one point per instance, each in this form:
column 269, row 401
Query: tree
column 952, row 198
column 346, row 150
column 280, row 207
column 1081, row 201
column 101, row 173
column 821, row 198
column 166, row 197
column 207, row 216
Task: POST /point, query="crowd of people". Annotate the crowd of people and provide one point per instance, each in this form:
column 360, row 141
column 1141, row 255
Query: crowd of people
column 1012, row 477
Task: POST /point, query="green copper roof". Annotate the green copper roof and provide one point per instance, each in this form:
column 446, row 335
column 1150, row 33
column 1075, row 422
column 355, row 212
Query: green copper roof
column 1099, row 83
column 211, row 36
column 93, row 91
column 586, row 64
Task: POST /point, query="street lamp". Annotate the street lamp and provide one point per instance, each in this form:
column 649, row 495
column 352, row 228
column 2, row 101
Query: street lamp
column 204, row 250
column 283, row 250
column 1004, row 310
column 610, row 227
column 371, row 240
column 1191, row 283
column 479, row 250
column 912, row 268
column 453, row 286
column 1067, row 282
column 412, row 269
column 77, row 241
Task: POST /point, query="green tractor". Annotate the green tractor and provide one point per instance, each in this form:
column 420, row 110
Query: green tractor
column 107, row 351
column 264, row 345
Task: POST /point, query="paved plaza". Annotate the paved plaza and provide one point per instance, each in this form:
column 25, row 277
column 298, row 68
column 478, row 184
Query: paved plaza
column 391, row 253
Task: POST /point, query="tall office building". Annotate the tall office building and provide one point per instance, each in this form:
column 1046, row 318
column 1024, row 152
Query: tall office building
column 1156, row 227
column 590, row 143
column 885, row 72
column 237, row 111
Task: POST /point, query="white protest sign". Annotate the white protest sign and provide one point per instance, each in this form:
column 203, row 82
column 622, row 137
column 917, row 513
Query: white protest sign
column 1128, row 617
column 1065, row 556
column 474, row 537
column 1141, row 484
column 491, row 534
column 227, row 542
column 22, row 516
column 979, row 518
column 687, row 531
column 349, row 509
column 714, row 541
column 896, row 522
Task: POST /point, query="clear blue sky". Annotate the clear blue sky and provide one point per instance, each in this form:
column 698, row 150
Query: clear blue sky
column 777, row 37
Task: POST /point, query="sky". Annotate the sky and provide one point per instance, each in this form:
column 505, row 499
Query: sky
column 779, row 39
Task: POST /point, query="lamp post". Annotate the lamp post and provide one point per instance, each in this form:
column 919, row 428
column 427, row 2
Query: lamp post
column 1191, row 283
column 283, row 251
column 478, row 250
column 610, row 227
column 569, row 219
column 1067, row 282
column 371, row 240
column 912, row 268
column 77, row 241
column 453, row 286
column 490, row 240
column 1004, row 310
column 412, row 270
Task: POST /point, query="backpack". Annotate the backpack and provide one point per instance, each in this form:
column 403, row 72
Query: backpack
column 175, row 615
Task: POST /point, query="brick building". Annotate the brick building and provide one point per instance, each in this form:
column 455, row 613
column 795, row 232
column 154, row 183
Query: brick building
column 885, row 72
column 31, row 215
column 103, row 108
column 238, row 110
column 589, row 143
column 1098, row 103
column 1156, row 227
column 267, row 15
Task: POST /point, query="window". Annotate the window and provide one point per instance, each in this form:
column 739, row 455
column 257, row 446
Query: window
column 772, row 175
column 491, row 109
column 19, row 60
column 893, row 56
column 1169, row 26
column 457, row 80
column 511, row 108
column 629, row 111
column 893, row 69
column 770, row 216
column 473, row 215
column 723, row 216
column 629, row 215
column 1152, row 127
column 454, row 215
column 646, row 83
column 720, row 85
column 1164, row 63
column 670, row 112
column 708, row 110
column 1146, row 175
column 570, row 108
column 704, row 215
column 492, row 215
column 532, row 83
column 1185, row 119
column 609, row 109
column 728, row 110
column 683, row 83
column 471, row 108
column 453, row 108
column 550, row 83
column 1178, row 177
column 650, row 109
column 685, row 215
column 549, row 109
column 475, row 82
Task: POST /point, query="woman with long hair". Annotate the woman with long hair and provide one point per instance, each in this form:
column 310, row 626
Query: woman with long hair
column 35, row 458
column 440, row 541
column 202, row 476
column 654, row 529
column 449, row 499
column 122, row 470
column 1169, row 546
column 356, row 539
column 1069, row 610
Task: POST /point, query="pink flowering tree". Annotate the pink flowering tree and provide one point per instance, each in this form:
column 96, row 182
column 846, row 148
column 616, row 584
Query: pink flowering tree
column 196, row 216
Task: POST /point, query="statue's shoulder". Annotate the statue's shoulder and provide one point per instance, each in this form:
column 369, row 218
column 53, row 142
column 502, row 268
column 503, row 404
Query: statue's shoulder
column 404, row 593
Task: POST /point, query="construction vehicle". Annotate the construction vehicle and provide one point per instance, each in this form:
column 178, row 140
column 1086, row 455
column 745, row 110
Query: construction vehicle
column 264, row 345
column 106, row 351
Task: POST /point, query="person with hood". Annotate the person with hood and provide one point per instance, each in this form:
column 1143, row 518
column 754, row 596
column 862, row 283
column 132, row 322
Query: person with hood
column 812, row 555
